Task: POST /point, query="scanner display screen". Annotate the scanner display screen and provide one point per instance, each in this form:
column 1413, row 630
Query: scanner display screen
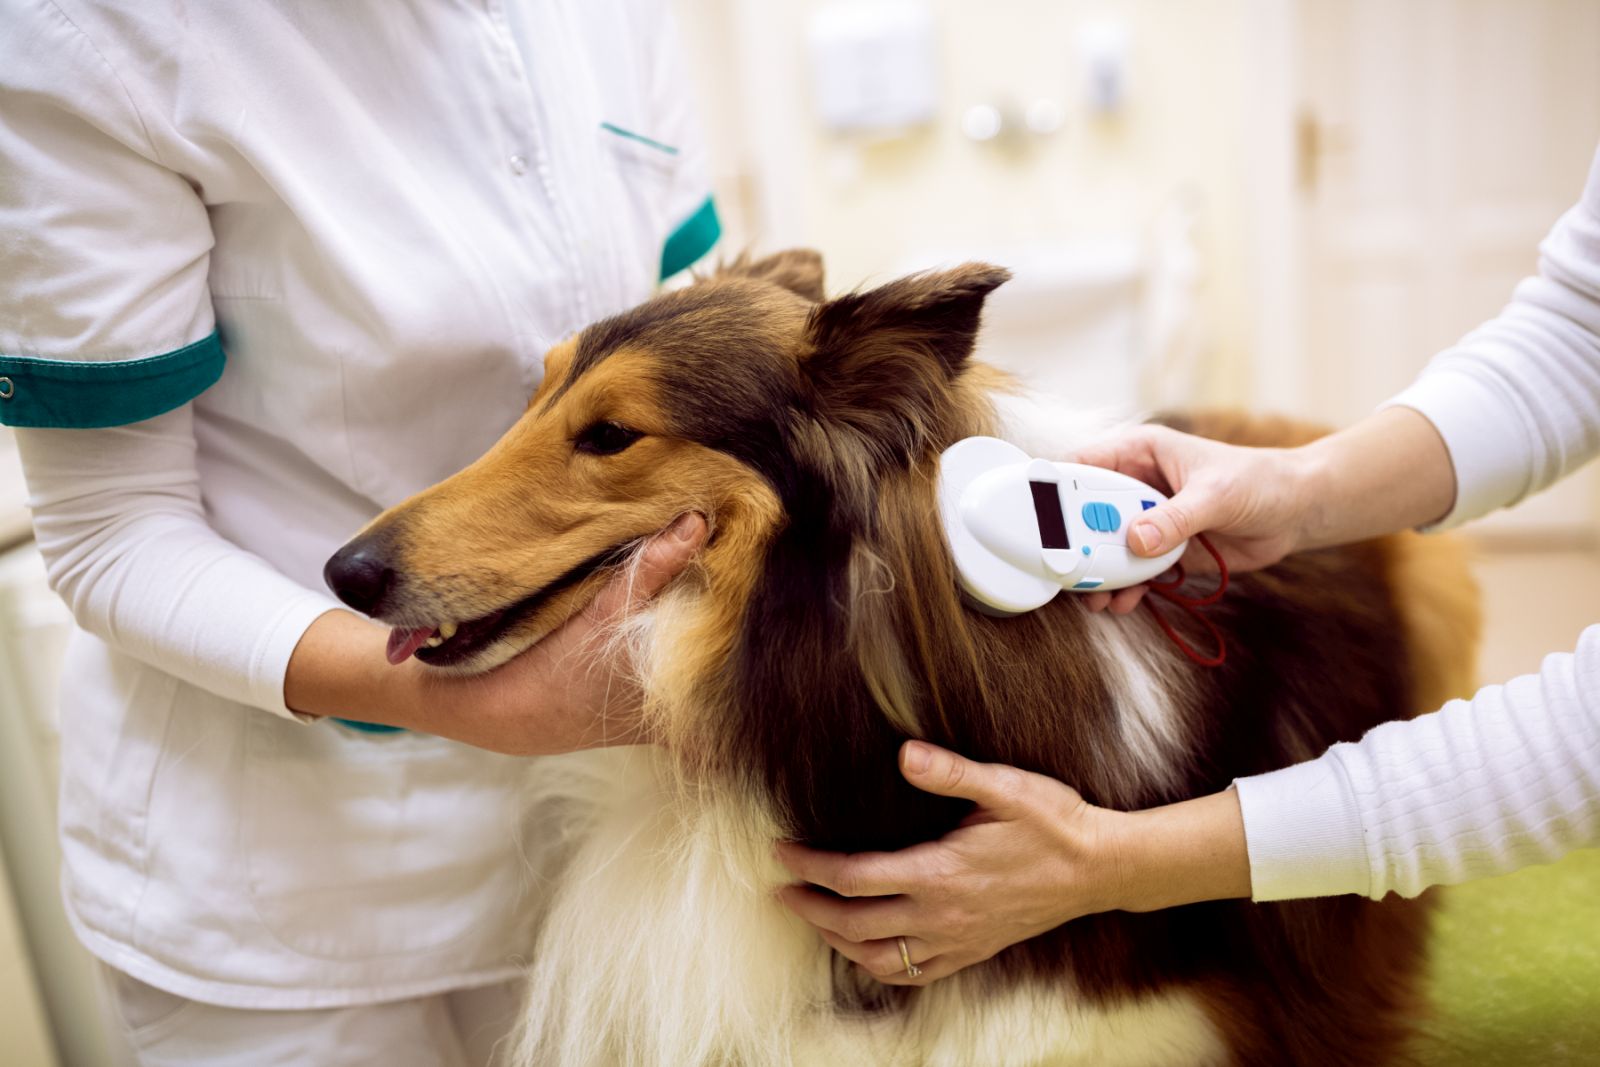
column 1047, row 509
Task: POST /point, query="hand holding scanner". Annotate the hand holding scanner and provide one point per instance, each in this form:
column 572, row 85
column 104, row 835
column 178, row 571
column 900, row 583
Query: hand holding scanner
column 1023, row 529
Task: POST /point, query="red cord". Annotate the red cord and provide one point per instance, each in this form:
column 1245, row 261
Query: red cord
column 1169, row 591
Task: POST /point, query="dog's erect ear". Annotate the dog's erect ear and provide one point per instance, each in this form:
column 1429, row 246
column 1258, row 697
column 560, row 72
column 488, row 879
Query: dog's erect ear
column 931, row 316
column 891, row 351
column 798, row 270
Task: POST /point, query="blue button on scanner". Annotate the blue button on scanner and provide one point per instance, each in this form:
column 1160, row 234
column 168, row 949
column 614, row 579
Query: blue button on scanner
column 1147, row 504
column 1102, row 518
column 1090, row 583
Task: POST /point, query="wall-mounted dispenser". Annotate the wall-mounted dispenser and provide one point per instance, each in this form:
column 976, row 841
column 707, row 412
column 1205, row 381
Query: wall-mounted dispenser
column 873, row 65
column 1103, row 53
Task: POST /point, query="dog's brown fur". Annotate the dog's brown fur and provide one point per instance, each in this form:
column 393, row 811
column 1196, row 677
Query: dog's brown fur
column 826, row 626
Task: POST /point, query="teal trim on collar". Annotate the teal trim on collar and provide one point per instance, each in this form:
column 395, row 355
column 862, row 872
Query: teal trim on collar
column 691, row 240
column 641, row 138
column 76, row 395
column 370, row 727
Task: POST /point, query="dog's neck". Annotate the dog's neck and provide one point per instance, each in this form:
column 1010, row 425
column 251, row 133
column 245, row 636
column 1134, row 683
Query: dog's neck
column 830, row 630
column 854, row 639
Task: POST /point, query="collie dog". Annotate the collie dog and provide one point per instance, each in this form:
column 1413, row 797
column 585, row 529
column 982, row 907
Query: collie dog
column 821, row 626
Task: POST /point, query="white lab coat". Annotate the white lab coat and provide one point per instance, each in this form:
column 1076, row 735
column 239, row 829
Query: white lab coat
column 386, row 212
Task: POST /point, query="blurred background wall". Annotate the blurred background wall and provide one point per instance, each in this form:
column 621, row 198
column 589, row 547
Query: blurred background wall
column 1287, row 204
column 1279, row 204
column 1019, row 152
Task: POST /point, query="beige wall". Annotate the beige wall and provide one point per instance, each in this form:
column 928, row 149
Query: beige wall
column 868, row 206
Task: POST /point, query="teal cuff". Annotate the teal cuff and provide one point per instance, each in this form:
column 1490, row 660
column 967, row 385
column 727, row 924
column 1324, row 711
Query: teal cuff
column 691, row 240
column 76, row 395
column 371, row 727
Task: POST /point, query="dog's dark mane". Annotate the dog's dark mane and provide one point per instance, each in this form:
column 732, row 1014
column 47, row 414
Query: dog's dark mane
column 854, row 638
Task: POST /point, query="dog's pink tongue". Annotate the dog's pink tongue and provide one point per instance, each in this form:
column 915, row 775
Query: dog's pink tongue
column 402, row 643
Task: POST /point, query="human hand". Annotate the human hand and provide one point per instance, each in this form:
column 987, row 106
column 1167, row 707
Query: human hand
column 1250, row 501
column 1032, row 856
column 573, row 689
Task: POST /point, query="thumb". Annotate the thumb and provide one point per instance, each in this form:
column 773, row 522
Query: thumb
column 938, row 770
column 663, row 559
column 1190, row 511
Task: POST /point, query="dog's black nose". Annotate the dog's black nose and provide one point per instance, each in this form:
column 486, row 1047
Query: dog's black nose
column 359, row 576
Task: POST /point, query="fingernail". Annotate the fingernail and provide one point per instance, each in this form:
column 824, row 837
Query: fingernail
column 918, row 756
column 1146, row 537
column 682, row 529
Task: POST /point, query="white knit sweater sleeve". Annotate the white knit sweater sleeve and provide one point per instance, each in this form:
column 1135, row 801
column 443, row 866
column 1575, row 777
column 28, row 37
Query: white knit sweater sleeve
column 119, row 519
column 1480, row 787
column 1511, row 777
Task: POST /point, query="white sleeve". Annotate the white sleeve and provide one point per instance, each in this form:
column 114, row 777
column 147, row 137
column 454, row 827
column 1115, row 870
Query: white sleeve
column 1481, row 787
column 119, row 520
column 105, row 311
column 1517, row 401
column 106, row 334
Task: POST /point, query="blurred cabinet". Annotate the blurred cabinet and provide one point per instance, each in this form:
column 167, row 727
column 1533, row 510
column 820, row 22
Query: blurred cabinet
column 1439, row 141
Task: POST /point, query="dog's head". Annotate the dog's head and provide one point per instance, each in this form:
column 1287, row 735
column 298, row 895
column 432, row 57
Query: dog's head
column 746, row 397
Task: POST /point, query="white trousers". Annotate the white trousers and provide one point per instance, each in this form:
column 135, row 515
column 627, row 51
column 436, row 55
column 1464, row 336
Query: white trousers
column 457, row 1029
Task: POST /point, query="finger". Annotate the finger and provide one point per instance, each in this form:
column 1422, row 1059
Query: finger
column 880, row 958
column 670, row 551
column 938, row 770
column 864, row 919
column 1097, row 601
column 664, row 557
column 1163, row 527
column 860, row 874
column 929, row 971
column 1124, row 601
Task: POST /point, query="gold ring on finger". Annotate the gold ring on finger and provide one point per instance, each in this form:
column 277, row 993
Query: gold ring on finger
column 912, row 970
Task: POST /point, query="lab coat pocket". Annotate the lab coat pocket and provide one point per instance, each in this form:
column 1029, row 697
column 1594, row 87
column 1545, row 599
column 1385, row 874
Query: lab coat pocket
column 362, row 846
column 639, row 182
column 639, row 155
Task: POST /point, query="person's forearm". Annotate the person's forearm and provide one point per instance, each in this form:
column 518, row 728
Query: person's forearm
column 1178, row 854
column 1389, row 472
column 339, row 669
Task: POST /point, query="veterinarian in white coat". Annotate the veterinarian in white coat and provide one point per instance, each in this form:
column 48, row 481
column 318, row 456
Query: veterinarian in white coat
column 1481, row 787
column 267, row 269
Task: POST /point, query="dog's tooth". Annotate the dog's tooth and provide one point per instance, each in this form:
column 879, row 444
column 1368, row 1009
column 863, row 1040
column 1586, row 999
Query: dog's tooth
column 447, row 631
column 434, row 642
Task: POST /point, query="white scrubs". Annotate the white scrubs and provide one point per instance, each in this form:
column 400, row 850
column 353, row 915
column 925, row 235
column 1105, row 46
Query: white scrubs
column 267, row 269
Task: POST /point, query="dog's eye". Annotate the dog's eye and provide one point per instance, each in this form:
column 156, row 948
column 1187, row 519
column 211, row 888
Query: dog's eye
column 606, row 439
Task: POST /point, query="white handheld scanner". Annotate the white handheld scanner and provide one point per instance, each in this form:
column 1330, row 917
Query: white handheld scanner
column 1023, row 529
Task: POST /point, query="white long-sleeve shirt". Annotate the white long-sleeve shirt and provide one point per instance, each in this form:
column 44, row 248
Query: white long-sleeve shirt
column 1511, row 777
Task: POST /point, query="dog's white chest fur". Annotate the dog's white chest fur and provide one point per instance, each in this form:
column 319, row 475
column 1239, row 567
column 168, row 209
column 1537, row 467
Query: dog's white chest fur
column 664, row 944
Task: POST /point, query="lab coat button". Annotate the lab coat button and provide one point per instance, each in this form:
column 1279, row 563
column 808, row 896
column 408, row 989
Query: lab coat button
column 519, row 165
